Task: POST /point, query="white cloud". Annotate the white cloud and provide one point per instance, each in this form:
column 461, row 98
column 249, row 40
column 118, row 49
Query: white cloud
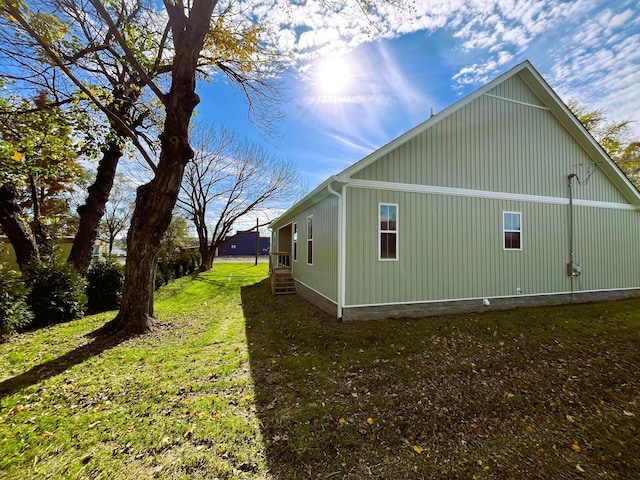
column 599, row 65
column 587, row 49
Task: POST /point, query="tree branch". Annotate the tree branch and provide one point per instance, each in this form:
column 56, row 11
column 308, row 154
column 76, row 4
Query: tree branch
column 129, row 55
column 58, row 61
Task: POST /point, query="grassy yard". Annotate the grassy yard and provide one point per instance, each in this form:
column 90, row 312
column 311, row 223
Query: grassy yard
column 235, row 383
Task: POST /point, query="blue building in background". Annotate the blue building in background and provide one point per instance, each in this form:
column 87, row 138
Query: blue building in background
column 243, row 244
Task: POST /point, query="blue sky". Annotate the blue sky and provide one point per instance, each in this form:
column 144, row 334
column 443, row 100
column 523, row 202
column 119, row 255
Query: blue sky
column 427, row 56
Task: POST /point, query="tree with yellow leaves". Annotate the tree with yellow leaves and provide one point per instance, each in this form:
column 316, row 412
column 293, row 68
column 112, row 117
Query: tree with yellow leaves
column 615, row 137
column 38, row 165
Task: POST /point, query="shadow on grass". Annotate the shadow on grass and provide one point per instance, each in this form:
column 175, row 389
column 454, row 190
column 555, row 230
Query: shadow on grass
column 272, row 343
column 319, row 418
column 503, row 395
column 50, row 368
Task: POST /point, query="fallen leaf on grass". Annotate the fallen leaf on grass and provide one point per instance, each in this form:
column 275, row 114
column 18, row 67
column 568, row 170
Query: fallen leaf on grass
column 576, row 447
column 478, row 430
column 579, row 468
column 189, row 431
column 18, row 409
column 628, row 414
column 342, row 421
column 529, row 429
column 47, row 433
column 418, row 449
column 370, row 421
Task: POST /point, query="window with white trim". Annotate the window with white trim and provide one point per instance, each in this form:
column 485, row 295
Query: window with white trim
column 310, row 239
column 388, row 231
column 512, row 230
column 295, row 242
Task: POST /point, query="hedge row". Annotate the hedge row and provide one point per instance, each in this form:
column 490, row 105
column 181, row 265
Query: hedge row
column 52, row 292
column 45, row 293
column 177, row 264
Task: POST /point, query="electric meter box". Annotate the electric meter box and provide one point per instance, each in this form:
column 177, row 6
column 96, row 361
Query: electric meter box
column 573, row 269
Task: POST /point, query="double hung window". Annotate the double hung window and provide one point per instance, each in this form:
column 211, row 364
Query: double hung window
column 310, row 239
column 512, row 230
column 388, row 231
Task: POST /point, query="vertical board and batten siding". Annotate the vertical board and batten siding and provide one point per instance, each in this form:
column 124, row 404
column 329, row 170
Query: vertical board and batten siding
column 448, row 248
column 322, row 275
column 496, row 145
column 451, row 248
column 606, row 248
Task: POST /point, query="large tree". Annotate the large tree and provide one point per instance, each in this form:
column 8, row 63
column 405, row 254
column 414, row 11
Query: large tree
column 191, row 43
column 156, row 199
column 228, row 179
column 187, row 27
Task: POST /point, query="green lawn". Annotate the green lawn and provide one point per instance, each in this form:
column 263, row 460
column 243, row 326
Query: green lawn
column 236, row 383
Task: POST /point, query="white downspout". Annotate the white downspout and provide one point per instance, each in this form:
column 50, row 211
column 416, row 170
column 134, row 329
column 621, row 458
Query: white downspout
column 342, row 241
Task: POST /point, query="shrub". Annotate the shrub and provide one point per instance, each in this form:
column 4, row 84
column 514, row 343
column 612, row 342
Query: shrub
column 165, row 270
column 176, row 264
column 105, row 281
column 14, row 312
column 160, row 280
column 189, row 260
column 57, row 292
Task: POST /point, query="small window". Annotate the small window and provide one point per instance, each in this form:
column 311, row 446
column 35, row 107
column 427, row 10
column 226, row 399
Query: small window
column 233, row 247
column 310, row 240
column 295, row 242
column 388, row 233
column 512, row 228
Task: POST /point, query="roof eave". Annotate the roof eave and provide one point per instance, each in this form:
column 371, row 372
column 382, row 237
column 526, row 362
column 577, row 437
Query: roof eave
column 317, row 194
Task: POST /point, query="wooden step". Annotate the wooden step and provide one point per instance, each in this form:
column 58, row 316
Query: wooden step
column 283, row 284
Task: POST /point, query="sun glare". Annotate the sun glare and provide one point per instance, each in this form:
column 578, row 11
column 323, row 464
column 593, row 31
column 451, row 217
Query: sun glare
column 333, row 75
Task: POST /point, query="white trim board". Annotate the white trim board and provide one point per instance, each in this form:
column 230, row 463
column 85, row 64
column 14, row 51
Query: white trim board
column 465, row 192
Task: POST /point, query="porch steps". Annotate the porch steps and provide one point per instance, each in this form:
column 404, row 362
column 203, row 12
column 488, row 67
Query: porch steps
column 282, row 284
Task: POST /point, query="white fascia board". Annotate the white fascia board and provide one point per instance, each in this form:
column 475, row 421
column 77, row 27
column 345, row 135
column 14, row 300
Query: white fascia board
column 549, row 98
column 467, row 192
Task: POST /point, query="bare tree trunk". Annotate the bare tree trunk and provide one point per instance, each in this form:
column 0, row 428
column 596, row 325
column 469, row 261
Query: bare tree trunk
column 207, row 259
column 92, row 211
column 112, row 240
column 38, row 230
column 18, row 232
column 156, row 199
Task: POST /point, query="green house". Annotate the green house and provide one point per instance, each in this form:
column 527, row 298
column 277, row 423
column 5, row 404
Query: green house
column 501, row 200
